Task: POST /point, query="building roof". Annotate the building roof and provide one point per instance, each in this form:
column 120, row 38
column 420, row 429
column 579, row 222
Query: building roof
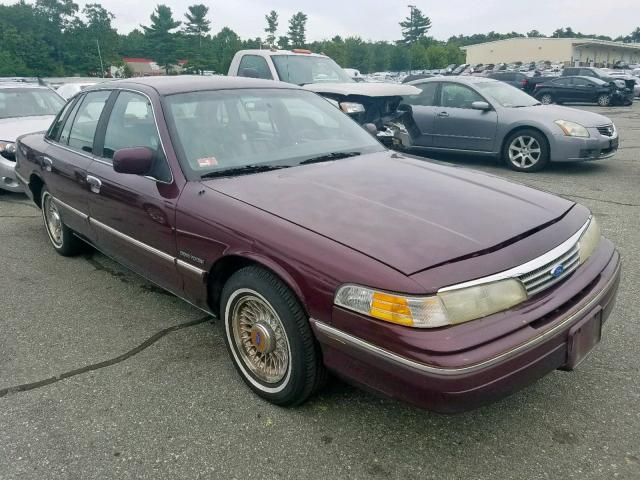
column 575, row 41
column 137, row 60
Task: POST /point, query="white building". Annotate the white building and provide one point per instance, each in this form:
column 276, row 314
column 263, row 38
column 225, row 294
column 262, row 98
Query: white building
column 570, row 51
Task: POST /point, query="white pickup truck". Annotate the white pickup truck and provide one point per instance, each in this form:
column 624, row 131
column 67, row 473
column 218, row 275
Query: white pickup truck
column 374, row 103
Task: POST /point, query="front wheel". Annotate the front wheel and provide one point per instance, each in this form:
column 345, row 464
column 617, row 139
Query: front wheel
column 604, row 100
column 546, row 99
column 526, row 151
column 61, row 237
column 269, row 338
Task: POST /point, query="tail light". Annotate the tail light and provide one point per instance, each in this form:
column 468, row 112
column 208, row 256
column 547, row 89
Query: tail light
column 524, row 82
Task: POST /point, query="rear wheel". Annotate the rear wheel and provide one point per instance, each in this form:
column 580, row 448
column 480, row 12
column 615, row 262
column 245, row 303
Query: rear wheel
column 269, row 337
column 604, row 100
column 526, row 151
column 546, row 99
column 61, row 237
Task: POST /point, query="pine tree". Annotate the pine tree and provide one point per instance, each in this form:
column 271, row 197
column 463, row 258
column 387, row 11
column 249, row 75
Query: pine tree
column 297, row 30
column 161, row 41
column 197, row 23
column 272, row 27
column 415, row 26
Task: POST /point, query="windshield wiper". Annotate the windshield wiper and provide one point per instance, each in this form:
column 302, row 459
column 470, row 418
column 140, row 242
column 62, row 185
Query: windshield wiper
column 330, row 156
column 244, row 170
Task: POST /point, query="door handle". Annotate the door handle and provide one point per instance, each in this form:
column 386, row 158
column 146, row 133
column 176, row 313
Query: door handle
column 47, row 163
column 94, row 183
column 443, row 114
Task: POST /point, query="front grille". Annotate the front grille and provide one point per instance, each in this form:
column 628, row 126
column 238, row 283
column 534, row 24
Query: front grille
column 542, row 278
column 607, row 130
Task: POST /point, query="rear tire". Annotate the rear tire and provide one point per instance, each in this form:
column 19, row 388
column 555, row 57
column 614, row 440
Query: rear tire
column 61, row 237
column 269, row 338
column 526, row 151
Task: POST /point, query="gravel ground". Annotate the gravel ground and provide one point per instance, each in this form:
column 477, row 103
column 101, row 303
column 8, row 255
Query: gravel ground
column 114, row 404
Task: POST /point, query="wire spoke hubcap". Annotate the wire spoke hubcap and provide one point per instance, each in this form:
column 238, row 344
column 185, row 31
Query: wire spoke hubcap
column 53, row 220
column 524, row 151
column 260, row 338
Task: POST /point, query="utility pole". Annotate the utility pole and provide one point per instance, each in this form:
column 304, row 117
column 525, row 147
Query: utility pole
column 412, row 7
column 100, row 55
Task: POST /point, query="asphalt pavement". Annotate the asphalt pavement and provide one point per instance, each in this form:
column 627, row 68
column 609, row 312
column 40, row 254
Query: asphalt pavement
column 103, row 375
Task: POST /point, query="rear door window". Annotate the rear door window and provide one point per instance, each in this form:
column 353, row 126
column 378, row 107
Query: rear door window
column 86, row 121
column 458, row 96
column 254, row 66
column 427, row 96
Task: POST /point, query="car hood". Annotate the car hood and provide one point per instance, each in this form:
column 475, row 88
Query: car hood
column 407, row 213
column 363, row 89
column 557, row 112
column 12, row 128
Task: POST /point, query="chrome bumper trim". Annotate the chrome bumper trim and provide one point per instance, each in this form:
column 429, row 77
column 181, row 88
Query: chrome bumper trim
column 360, row 344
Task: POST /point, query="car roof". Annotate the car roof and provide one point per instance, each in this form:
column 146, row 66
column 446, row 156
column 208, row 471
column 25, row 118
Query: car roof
column 11, row 84
column 168, row 85
column 269, row 53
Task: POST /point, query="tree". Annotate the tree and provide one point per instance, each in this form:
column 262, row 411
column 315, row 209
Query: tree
column 160, row 39
column 415, row 26
column 272, row 28
column 297, row 30
column 534, row 34
column 197, row 24
column 283, row 43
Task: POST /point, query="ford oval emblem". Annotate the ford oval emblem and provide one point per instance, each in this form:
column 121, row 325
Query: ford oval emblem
column 557, row 271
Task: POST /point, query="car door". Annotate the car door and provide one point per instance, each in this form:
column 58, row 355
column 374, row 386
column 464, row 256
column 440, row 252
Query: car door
column 457, row 126
column 423, row 113
column 68, row 156
column 583, row 89
column 562, row 89
column 134, row 215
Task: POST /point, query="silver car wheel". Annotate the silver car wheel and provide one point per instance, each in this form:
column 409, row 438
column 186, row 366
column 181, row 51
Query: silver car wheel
column 604, row 100
column 260, row 338
column 52, row 220
column 524, row 151
column 546, row 99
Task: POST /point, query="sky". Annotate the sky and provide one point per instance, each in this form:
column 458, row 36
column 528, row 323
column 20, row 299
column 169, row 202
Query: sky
column 378, row 19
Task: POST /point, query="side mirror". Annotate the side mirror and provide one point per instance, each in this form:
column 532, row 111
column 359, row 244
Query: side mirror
column 134, row 161
column 371, row 128
column 484, row 106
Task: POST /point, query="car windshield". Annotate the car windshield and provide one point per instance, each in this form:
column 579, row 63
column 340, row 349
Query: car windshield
column 28, row 102
column 506, row 95
column 257, row 129
column 303, row 69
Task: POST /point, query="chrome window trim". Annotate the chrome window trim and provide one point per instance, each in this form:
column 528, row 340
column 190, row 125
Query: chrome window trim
column 525, row 268
column 361, row 344
column 155, row 120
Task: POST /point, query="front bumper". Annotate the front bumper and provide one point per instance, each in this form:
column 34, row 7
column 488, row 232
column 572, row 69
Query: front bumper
column 453, row 382
column 8, row 180
column 572, row 149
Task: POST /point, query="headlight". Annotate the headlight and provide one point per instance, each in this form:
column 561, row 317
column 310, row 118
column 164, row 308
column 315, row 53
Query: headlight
column 589, row 240
column 446, row 308
column 351, row 107
column 572, row 129
column 8, row 149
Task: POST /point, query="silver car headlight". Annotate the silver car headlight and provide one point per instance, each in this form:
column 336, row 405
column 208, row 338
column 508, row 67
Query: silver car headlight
column 572, row 129
column 589, row 240
column 8, row 149
column 351, row 107
column 445, row 308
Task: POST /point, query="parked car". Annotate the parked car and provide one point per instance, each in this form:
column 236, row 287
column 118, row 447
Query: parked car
column 625, row 75
column 523, row 81
column 487, row 117
column 316, row 247
column 68, row 90
column 366, row 102
column 582, row 90
column 24, row 108
column 597, row 73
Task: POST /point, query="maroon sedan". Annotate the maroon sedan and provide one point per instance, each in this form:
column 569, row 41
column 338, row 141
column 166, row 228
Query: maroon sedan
column 320, row 250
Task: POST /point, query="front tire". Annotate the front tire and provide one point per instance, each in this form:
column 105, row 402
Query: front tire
column 546, row 99
column 604, row 100
column 526, row 151
column 269, row 337
column 61, row 237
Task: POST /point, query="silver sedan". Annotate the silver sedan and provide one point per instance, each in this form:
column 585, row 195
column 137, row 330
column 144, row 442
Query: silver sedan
column 481, row 116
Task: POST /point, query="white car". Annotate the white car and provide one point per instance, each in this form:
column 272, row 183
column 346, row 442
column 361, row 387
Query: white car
column 68, row 90
column 24, row 108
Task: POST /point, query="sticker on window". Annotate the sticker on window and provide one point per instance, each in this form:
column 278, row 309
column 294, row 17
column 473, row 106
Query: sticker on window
column 207, row 162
